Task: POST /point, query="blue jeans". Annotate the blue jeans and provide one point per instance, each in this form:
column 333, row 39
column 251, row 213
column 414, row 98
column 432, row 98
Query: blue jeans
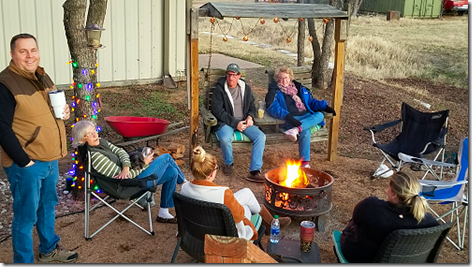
column 258, row 138
column 308, row 120
column 168, row 174
column 34, row 200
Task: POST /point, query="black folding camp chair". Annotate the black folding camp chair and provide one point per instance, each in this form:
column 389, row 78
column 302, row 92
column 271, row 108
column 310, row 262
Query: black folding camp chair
column 121, row 189
column 196, row 218
column 420, row 245
column 421, row 134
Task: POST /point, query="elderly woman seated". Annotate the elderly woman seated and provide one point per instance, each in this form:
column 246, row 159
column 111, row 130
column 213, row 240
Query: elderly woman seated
column 112, row 161
column 289, row 100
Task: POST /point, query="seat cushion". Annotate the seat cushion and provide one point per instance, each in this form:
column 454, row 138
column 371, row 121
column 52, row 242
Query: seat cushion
column 238, row 137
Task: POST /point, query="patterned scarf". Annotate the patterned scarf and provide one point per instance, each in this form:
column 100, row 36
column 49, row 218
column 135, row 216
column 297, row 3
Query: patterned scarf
column 291, row 90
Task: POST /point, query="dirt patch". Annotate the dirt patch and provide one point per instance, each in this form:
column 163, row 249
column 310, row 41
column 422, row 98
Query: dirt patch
column 365, row 103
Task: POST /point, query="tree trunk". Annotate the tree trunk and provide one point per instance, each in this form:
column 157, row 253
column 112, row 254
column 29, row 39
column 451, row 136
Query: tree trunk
column 356, row 4
column 85, row 104
column 315, row 45
column 301, row 40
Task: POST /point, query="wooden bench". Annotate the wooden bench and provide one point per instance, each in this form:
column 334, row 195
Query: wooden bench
column 269, row 125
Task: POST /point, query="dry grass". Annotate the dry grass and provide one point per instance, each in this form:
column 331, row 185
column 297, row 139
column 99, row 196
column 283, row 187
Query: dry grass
column 434, row 49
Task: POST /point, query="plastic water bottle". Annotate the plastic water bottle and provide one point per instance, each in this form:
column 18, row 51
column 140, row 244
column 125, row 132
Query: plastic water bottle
column 275, row 230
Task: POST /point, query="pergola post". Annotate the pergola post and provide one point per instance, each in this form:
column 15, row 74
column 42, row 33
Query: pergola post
column 193, row 142
column 340, row 36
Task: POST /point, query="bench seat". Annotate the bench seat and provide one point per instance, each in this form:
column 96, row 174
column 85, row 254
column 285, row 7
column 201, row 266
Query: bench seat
column 269, row 125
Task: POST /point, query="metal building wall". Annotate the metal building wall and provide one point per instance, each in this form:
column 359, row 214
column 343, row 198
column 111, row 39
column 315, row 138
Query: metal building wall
column 407, row 8
column 136, row 46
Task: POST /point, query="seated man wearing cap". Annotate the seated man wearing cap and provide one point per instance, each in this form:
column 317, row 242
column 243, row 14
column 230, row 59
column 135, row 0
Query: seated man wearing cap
column 233, row 106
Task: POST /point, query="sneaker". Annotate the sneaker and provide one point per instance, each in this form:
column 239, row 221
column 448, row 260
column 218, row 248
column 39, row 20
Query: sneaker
column 228, row 169
column 307, row 165
column 58, row 254
column 292, row 134
column 256, row 178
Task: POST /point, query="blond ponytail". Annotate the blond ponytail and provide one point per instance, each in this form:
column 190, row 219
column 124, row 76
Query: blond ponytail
column 407, row 189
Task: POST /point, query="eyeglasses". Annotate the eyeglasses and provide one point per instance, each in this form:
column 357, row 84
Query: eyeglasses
column 217, row 167
column 232, row 74
column 90, row 134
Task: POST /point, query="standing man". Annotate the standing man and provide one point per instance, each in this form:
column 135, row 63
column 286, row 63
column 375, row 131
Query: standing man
column 233, row 106
column 32, row 141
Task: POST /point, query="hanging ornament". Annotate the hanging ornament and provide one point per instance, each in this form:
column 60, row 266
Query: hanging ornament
column 225, row 39
column 212, row 20
column 325, row 20
column 238, row 18
column 247, row 31
column 310, row 38
column 301, row 19
column 276, row 20
column 262, row 21
column 288, row 40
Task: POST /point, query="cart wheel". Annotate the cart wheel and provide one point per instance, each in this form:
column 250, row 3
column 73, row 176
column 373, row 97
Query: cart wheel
column 320, row 223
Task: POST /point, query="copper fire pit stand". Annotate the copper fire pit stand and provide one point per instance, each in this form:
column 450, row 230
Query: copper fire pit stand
column 314, row 201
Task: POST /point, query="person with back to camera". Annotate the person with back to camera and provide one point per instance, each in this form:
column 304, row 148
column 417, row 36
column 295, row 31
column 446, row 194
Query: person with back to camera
column 242, row 204
column 289, row 100
column 112, row 161
column 233, row 106
column 374, row 219
column 32, row 141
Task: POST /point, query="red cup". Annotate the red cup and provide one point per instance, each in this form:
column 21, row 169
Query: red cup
column 307, row 234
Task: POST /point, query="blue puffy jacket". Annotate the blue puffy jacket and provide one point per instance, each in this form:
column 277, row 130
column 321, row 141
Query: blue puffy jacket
column 277, row 108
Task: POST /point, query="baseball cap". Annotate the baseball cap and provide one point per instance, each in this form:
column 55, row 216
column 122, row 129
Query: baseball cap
column 233, row 67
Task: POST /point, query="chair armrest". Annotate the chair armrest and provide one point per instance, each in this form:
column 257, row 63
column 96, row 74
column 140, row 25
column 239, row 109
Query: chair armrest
column 208, row 118
column 327, row 115
column 381, row 127
column 411, row 159
column 441, row 184
column 429, row 187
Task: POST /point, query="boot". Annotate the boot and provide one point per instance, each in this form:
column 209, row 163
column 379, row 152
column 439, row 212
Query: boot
column 267, row 219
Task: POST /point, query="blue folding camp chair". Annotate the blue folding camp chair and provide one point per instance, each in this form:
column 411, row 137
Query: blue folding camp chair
column 453, row 192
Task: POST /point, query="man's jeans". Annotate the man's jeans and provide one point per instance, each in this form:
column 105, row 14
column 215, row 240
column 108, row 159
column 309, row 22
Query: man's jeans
column 258, row 138
column 308, row 120
column 168, row 174
column 34, row 200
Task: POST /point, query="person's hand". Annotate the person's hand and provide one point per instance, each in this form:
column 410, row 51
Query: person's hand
column 124, row 174
column 66, row 112
column 149, row 158
column 249, row 121
column 241, row 126
column 292, row 120
column 330, row 110
column 30, row 163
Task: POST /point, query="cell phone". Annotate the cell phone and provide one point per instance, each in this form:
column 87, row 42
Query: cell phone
column 146, row 151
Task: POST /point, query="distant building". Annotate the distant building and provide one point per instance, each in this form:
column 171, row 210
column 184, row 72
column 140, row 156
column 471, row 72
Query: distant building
column 143, row 39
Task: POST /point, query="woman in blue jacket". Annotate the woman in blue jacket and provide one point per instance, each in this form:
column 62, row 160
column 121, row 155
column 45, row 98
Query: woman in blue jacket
column 289, row 100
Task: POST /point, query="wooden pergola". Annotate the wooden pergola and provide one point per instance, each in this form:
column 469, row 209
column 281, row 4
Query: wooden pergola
column 222, row 10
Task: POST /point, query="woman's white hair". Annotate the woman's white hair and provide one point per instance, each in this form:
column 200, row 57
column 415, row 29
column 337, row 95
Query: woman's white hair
column 79, row 130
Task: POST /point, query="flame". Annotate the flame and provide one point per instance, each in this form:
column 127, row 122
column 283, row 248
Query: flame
column 294, row 176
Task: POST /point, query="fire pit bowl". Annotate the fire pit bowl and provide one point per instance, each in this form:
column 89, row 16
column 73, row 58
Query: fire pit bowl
column 311, row 201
